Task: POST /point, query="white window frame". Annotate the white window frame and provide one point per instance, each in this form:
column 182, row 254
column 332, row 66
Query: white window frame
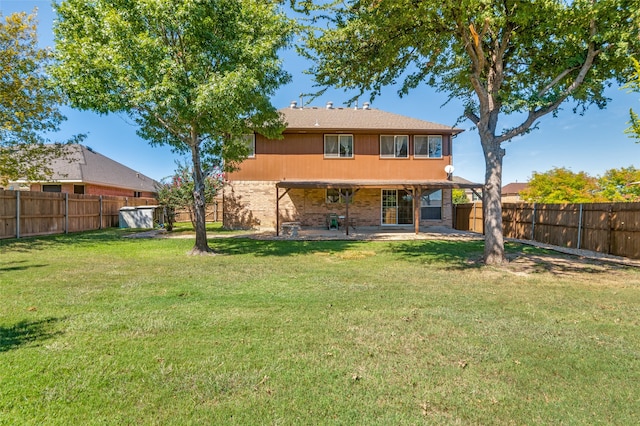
column 396, row 146
column 429, row 139
column 340, row 137
column 250, row 141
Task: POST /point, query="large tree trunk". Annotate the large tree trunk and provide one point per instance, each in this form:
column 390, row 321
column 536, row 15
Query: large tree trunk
column 199, row 203
column 492, row 204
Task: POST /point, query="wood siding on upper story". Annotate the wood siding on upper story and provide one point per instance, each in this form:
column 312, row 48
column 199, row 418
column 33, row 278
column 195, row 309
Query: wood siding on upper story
column 300, row 156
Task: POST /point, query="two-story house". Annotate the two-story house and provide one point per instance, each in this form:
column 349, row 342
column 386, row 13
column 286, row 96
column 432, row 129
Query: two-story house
column 365, row 166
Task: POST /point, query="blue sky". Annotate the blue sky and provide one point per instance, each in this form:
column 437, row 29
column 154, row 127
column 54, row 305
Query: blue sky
column 593, row 142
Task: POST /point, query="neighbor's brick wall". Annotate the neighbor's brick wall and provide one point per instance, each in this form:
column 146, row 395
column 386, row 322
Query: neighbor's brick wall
column 90, row 189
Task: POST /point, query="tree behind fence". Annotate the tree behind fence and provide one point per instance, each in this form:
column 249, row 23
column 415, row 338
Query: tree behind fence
column 611, row 228
column 25, row 214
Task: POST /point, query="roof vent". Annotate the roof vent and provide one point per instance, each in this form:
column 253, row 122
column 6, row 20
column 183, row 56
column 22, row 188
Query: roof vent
column 366, row 105
column 329, row 105
column 293, row 105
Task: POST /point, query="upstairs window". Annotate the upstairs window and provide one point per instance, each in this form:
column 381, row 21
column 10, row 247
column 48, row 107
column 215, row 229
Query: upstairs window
column 427, row 146
column 338, row 146
column 250, row 143
column 394, row 146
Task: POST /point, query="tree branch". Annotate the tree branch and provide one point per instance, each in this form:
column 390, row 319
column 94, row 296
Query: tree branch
column 534, row 115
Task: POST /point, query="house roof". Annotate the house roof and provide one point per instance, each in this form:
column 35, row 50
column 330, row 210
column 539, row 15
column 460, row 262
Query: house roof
column 361, row 119
column 514, row 188
column 391, row 184
column 468, row 183
column 87, row 166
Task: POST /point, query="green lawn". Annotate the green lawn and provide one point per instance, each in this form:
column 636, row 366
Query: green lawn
column 100, row 329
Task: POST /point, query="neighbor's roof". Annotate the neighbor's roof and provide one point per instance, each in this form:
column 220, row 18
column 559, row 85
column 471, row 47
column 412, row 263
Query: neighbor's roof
column 369, row 119
column 468, row 183
column 88, row 166
column 514, row 188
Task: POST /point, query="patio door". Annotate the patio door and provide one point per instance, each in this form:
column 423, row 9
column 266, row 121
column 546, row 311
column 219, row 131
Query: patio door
column 397, row 207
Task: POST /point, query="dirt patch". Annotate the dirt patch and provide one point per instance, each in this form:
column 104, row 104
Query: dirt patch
column 564, row 265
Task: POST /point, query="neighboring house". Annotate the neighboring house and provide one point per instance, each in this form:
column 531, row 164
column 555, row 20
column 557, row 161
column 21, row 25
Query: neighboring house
column 473, row 193
column 87, row 172
column 511, row 192
column 365, row 166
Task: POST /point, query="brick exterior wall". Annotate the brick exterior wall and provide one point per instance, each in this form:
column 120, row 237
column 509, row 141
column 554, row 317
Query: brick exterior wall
column 252, row 205
column 90, row 189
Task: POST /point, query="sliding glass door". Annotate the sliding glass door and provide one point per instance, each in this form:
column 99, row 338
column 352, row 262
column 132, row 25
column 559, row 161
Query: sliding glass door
column 397, row 207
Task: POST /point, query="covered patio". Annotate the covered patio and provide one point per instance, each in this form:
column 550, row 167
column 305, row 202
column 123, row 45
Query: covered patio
column 350, row 188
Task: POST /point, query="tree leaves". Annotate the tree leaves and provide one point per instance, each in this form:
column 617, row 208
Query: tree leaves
column 28, row 102
column 561, row 185
column 194, row 75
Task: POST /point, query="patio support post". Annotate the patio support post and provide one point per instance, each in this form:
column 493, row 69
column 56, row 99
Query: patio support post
column 417, row 193
column 346, row 217
column 277, row 211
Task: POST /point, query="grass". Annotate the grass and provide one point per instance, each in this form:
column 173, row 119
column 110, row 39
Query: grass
column 100, row 329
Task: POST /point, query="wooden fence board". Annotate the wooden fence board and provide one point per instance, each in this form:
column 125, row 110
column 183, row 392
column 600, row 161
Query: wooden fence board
column 43, row 213
column 212, row 214
column 601, row 227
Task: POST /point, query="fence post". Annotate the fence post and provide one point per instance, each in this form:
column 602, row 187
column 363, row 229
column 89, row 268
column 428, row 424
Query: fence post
column 17, row 214
column 610, row 228
column 66, row 212
column 580, row 228
column 100, row 208
column 474, row 217
column 533, row 223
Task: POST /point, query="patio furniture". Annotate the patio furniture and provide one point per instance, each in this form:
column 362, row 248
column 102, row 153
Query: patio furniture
column 332, row 221
column 290, row 229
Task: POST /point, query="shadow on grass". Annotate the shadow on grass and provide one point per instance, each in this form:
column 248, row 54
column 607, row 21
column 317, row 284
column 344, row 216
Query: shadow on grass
column 27, row 332
column 21, row 265
column 237, row 246
column 26, row 244
column 458, row 255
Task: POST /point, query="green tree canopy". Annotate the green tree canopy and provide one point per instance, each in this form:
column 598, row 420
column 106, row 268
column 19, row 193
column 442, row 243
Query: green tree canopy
column 561, row 185
column 29, row 105
column 194, row 75
column 458, row 196
column 634, row 84
column 620, row 185
column 514, row 58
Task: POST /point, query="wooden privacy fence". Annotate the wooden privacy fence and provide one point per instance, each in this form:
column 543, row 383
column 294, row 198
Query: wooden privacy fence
column 26, row 214
column 213, row 213
column 611, row 228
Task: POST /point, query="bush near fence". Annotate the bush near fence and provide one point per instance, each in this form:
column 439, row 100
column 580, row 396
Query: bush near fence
column 611, row 228
column 26, row 213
